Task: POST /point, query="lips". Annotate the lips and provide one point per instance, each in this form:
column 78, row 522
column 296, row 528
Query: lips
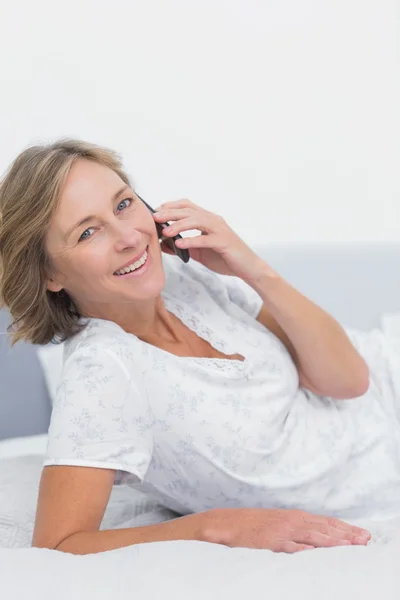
column 133, row 260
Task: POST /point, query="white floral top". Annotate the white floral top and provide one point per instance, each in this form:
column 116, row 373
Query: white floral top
column 200, row 433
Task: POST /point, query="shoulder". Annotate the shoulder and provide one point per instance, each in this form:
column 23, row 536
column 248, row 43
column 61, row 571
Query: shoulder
column 183, row 278
column 191, row 280
column 99, row 377
column 193, row 271
column 100, row 417
column 101, row 339
column 101, row 361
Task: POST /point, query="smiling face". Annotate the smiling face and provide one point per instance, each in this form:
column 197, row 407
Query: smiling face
column 101, row 226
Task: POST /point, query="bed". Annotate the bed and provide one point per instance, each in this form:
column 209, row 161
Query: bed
column 360, row 285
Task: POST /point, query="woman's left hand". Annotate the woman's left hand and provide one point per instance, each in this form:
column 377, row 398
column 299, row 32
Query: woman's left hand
column 217, row 247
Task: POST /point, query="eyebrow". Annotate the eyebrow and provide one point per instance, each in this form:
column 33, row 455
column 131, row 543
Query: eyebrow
column 91, row 217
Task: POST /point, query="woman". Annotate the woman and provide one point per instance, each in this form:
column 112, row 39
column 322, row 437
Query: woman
column 216, row 385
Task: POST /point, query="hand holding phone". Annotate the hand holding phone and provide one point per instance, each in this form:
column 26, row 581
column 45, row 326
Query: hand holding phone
column 181, row 252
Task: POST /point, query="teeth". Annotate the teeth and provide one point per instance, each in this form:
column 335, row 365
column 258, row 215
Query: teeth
column 133, row 266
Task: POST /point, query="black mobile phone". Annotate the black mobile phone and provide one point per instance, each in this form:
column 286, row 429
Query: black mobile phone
column 183, row 253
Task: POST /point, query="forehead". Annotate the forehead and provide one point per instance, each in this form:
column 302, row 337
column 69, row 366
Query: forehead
column 88, row 181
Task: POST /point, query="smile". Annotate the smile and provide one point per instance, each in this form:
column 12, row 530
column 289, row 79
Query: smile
column 134, row 266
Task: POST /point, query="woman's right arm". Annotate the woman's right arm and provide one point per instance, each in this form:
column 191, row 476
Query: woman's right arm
column 72, row 502
column 71, row 506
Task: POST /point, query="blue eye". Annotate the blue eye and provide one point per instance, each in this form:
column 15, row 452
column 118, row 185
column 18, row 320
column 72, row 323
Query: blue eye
column 82, row 238
column 126, row 200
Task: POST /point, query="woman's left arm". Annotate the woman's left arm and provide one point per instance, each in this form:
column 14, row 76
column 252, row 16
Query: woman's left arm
column 327, row 362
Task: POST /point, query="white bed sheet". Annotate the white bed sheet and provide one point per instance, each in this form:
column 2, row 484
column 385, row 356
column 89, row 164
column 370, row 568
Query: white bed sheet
column 195, row 570
column 23, row 446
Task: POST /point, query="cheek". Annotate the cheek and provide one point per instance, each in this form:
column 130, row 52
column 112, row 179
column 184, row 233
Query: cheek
column 148, row 223
column 90, row 264
column 97, row 263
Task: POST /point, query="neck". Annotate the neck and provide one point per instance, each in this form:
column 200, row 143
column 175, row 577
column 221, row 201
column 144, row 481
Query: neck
column 150, row 321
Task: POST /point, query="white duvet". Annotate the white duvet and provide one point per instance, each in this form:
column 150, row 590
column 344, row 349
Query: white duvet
column 194, row 570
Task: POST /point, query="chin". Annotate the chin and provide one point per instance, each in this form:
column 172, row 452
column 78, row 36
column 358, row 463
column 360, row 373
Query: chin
column 151, row 287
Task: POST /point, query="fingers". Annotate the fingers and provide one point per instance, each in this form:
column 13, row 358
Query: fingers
column 336, row 527
column 172, row 214
column 325, row 536
column 188, row 224
column 186, row 216
column 342, row 526
column 183, row 220
column 196, row 241
column 292, row 547
column 183, row 203
column 319, row 540
column 355, row 535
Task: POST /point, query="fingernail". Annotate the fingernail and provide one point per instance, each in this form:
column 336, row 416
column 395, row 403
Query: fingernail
column 365, row 534
column 360, row 540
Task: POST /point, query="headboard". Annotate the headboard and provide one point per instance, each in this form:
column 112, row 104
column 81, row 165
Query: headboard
column 356, row 283
column 24, row 401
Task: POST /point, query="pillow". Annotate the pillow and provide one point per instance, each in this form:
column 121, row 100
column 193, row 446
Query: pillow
column 51, row 360
column 23, row 446
column 19, row 486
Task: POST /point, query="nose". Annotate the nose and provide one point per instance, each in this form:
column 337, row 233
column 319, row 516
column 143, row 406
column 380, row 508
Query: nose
column 125, row 235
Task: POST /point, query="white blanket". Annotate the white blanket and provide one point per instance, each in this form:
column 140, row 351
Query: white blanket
column 195, row 570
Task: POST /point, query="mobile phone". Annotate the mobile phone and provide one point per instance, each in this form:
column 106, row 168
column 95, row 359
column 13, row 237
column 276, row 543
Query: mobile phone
column 183, row 253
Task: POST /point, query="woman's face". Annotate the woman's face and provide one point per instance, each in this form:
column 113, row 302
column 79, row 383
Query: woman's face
column 100, row 227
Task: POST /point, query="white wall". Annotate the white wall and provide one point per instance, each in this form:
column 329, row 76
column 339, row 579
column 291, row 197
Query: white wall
column 282, row 115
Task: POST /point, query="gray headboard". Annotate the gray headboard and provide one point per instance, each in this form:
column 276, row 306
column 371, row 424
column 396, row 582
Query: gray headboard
column 24, row 400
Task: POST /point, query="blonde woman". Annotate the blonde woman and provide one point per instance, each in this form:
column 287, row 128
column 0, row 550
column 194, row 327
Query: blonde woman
column 214, row 385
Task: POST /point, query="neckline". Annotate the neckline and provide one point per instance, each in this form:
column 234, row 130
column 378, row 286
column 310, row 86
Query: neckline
column 174, row 305
column 205, row 334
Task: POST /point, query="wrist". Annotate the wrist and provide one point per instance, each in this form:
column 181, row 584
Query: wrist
column 210, row 526
column 263, row 278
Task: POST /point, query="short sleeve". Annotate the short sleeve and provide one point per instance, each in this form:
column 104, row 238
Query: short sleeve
column 100, row 418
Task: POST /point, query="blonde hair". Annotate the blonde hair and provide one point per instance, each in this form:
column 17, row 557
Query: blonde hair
column 29, row 197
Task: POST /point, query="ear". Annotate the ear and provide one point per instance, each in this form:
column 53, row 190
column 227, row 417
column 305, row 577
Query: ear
column 53, row 286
